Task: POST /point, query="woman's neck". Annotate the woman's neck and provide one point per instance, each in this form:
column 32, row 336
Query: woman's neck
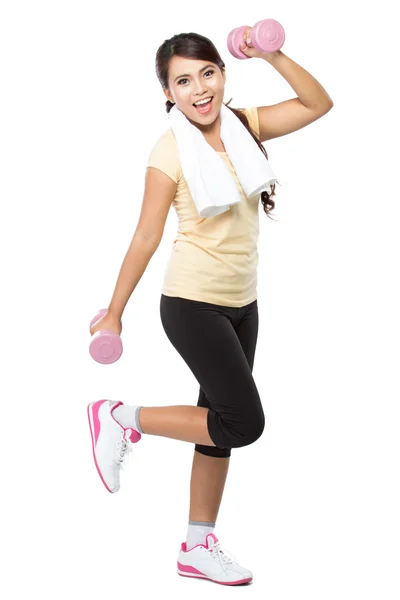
column 212, row 130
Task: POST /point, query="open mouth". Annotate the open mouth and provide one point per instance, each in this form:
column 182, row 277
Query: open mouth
column 204, row 107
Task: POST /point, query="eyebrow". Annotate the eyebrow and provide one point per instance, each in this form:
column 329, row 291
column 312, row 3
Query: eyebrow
column 188, row 74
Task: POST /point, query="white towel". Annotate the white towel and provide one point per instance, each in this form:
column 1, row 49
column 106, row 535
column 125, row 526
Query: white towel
column 210, row 182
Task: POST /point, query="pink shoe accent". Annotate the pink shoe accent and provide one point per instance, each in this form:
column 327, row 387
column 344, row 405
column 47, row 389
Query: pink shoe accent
column 135, row 436
column 214, row 538
column 96, row 421
column 198, row 574
column 189, row 569
column 183, row 546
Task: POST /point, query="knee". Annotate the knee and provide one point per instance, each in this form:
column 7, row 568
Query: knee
column 250, row 430
column 255, row 429
column 260, row 427
column 236, row 429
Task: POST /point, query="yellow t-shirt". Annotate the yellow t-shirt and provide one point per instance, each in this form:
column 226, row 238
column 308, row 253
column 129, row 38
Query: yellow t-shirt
column 213, row 259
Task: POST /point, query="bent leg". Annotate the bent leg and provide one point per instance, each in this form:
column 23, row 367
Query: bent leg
column 205, row 337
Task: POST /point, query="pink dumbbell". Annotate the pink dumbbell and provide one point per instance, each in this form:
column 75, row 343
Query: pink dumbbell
column 266, row 36
column 106, row 345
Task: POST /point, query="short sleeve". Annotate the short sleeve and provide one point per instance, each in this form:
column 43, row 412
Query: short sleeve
column 252, row 116
column 164, row 156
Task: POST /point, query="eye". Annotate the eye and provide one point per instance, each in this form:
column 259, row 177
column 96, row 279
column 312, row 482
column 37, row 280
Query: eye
column 210, row 71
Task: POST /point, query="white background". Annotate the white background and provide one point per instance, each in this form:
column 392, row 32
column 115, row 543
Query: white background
column 312, row 508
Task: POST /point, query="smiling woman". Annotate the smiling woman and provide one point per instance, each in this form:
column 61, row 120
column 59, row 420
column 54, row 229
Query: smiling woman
column 208, row 305
column 190, row 70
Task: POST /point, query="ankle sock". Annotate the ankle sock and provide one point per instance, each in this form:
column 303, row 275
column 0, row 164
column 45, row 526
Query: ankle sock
column 128, row 416
column 197, row 533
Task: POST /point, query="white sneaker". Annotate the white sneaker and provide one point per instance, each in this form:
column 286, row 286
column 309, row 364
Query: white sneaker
column 110, row 442
column 209, row 561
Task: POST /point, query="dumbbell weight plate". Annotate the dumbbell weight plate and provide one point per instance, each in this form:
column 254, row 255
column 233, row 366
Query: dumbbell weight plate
column 105, row 348
column 235, row 38
column 106, row 345
column 267, row 35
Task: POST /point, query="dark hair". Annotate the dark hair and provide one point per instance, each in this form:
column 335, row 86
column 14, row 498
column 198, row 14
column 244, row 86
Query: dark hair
column 198, row 47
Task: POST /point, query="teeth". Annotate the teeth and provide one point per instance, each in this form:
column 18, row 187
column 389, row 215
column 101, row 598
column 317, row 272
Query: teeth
column 202, row 101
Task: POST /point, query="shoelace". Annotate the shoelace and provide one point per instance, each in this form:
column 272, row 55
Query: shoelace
column 124, row 448
column 222, row 556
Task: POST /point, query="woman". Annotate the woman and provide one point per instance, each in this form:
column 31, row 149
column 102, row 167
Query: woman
column 208, row 303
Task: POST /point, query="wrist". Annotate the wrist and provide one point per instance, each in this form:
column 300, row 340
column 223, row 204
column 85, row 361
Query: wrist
column 272, row 57
column 114, row 312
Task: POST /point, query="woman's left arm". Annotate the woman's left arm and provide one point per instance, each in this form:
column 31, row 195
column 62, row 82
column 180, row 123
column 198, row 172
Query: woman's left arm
column 291, row 115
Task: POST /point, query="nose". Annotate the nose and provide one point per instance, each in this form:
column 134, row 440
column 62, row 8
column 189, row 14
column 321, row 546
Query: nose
column 199, row 88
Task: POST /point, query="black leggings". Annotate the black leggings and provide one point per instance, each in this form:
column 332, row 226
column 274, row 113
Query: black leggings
column 218, row 344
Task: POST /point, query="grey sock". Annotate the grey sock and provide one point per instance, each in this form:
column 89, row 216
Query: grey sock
column 197, row 533
column 128, row 417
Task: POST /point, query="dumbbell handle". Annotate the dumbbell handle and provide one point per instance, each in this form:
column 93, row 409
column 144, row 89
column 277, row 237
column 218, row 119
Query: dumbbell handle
column 247, row 37
column 99, row 316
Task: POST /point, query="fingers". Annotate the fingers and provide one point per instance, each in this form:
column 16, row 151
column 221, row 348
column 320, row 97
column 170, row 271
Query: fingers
column 246, row 39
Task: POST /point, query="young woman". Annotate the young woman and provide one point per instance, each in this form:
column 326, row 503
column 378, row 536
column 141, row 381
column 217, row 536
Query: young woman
column 208, row 303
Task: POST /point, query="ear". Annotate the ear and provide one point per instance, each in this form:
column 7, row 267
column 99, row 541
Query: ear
column 168, row 96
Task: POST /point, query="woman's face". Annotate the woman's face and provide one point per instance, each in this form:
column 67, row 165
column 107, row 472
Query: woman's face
column 193, row 80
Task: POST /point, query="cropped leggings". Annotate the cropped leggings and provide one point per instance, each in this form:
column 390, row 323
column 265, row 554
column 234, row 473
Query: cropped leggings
column 218, row 344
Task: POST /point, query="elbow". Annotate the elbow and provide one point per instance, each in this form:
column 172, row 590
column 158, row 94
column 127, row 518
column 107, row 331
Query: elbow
column 150, row 242
column 325, row 108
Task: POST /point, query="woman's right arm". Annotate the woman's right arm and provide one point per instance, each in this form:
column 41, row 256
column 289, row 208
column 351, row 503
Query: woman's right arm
column 159, row 192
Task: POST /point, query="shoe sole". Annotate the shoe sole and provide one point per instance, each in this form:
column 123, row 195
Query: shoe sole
column 91, row 427
column 199, row 576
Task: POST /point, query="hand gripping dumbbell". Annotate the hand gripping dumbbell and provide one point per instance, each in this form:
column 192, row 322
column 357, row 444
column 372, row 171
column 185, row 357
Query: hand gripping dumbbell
column 265, row 36
column 106, row 345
